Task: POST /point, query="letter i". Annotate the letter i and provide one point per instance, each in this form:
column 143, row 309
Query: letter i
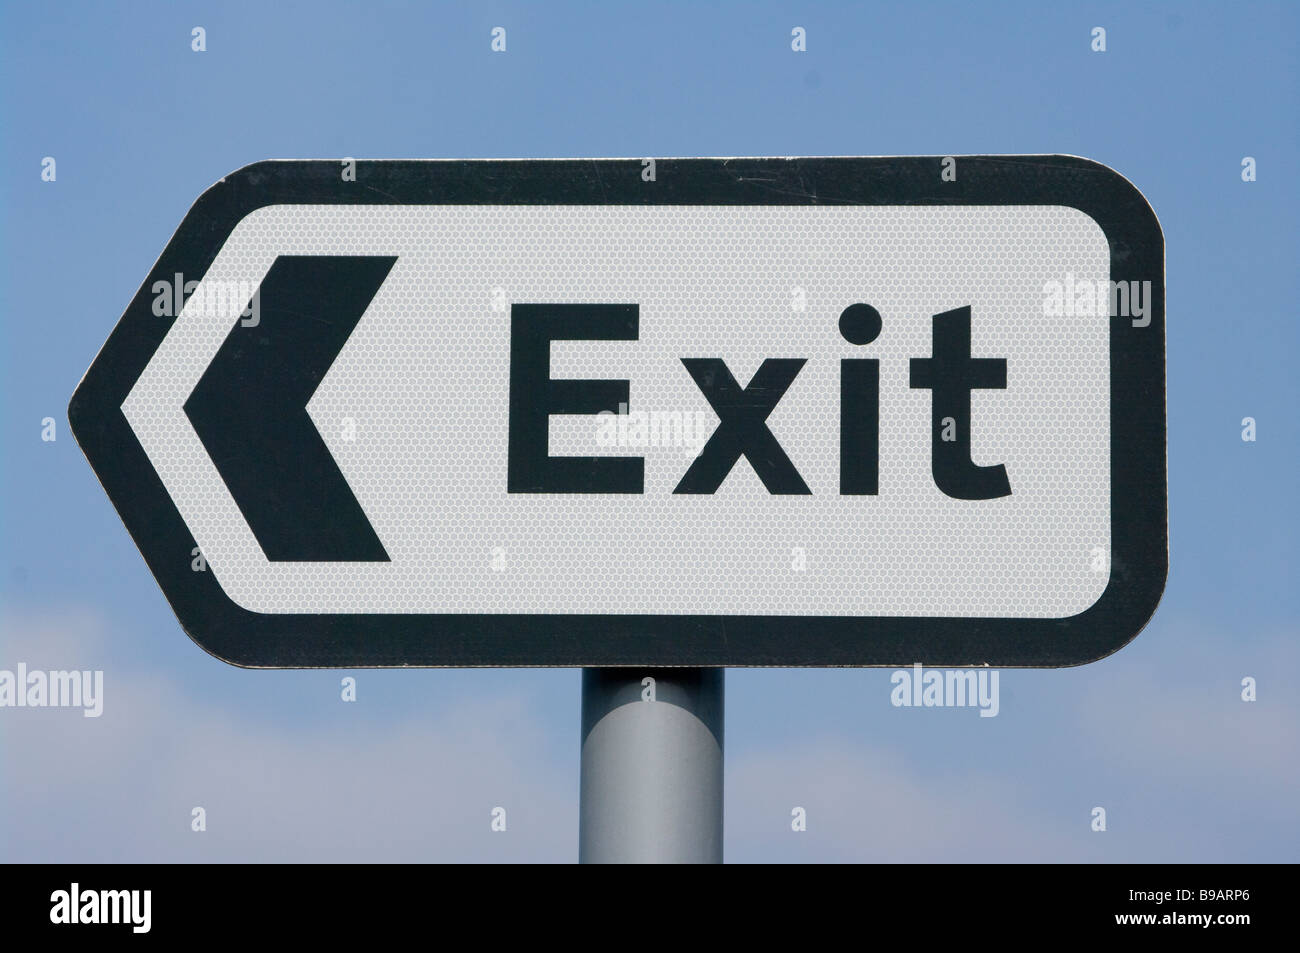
column 860, row 406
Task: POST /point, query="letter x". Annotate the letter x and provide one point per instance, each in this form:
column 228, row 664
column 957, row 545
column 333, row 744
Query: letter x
column 742, row 428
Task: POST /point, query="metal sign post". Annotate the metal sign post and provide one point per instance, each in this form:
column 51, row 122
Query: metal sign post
column 652, row 766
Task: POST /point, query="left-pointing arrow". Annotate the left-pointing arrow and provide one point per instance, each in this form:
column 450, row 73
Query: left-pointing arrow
column 250, row 410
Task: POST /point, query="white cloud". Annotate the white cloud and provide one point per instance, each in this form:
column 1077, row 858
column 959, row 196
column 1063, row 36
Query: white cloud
column 121, row 787
column 864, row 804
column 1186, row 770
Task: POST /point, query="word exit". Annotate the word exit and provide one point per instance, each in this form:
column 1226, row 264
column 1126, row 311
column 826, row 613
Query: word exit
column 950, row 373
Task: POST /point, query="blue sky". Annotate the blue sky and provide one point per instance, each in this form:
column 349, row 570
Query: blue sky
column 140, row 125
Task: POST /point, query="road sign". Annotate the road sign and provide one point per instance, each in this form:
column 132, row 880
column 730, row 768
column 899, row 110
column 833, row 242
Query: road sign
column 834, row 411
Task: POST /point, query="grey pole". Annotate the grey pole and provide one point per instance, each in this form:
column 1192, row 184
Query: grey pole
column 651, row 769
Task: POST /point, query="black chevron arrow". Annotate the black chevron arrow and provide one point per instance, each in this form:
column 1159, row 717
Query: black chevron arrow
column 250, row 410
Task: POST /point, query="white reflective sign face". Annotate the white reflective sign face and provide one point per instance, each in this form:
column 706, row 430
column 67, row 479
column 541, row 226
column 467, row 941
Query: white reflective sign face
column 783, row 412
column 415, row 410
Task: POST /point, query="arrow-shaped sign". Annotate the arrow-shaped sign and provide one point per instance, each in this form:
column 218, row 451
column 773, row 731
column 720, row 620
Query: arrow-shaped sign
column 750, row 412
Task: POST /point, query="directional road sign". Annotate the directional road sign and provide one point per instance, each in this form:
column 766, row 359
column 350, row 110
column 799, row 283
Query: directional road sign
column 705, row 412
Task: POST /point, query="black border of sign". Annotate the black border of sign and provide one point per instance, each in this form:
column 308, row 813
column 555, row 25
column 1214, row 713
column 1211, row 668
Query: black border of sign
column 1139, row 515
